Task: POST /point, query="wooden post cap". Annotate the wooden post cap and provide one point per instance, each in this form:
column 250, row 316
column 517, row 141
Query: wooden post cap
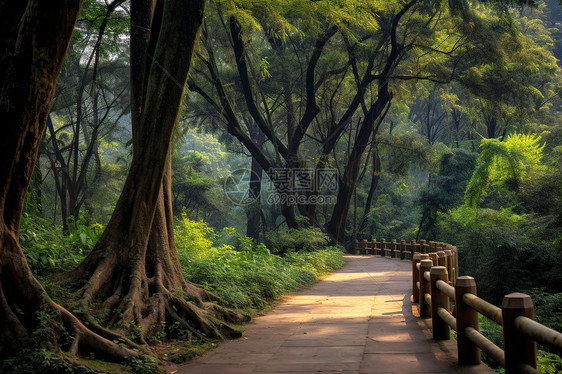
column 466, row 281
column 426, row 263
column 517, row 300
column 438, row 270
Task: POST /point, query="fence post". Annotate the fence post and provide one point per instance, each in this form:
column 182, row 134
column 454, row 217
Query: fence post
column 469, row 353
column 425, row 265
column 456, row 259
column 383, row 247
column 519, row 349
column 363, row 246
column 402, row 249
column 392, row 248
column 416, row 258
column 433, row 256
column 449, row 257
column 439, row 300
column 441, row 259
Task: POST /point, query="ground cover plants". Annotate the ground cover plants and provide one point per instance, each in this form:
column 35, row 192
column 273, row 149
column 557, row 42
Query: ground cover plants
column 246, row 275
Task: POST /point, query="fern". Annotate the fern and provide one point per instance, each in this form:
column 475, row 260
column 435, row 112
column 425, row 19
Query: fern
column 504, row 165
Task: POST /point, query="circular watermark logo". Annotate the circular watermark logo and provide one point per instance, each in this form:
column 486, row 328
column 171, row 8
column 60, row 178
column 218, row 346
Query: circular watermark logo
column 237, row 187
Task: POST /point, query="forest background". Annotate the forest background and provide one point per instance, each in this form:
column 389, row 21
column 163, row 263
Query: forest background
column 306, row 125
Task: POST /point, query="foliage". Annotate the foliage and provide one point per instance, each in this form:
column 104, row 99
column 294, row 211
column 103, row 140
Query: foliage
column 38, row 356
column 547, row 362
column 446, row 189
column 249, row 281
column 304, row 239
column 47, row 249
column 194, row 239
column 250, row 277
column 148, row 365
column 44, row 361
column 505, row 165
column 320, row 262
column 493, row 242
column 198, row 166
column 547, row 308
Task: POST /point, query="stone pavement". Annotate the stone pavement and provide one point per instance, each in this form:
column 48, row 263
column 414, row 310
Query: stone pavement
column 358, row 320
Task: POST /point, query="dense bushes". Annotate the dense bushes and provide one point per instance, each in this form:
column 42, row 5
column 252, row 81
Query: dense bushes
column 47, row 249
column 246, row 274
column 304, row 239
column 238, row 269
column 493, row 242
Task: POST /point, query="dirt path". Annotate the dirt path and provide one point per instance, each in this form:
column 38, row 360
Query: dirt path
column 358, row 320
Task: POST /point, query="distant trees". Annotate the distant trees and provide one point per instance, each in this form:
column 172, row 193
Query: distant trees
column 91, row 97
column 317, row 82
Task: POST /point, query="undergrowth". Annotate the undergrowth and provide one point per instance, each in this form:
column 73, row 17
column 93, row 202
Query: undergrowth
column 246, row 274
column 547, row 362
column 48, row 250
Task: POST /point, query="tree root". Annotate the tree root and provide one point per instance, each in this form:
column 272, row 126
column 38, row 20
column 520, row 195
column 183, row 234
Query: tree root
column 42, row 323
column 140, row 307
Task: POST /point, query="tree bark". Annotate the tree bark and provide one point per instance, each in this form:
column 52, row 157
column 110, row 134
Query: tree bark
column 373, row 186
column 35, row 38
column 134, row 268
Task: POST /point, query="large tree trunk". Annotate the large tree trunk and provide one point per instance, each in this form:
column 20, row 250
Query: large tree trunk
column 35, row 37
column 134, row 268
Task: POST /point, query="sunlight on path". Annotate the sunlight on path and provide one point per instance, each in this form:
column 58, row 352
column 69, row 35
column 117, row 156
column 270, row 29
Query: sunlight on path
column 358, row 320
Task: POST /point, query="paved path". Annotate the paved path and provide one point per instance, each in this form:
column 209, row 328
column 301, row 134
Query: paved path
column 358, row 320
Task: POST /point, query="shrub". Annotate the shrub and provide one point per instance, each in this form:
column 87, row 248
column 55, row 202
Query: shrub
column 194, row 239
column 47, row 249
column 305, row 239
column 249, row 277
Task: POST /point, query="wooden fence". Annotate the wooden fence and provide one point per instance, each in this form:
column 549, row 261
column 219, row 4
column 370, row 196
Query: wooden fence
column 451, row 302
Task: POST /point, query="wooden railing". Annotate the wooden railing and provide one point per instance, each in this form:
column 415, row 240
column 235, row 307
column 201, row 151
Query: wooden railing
column 436, row 287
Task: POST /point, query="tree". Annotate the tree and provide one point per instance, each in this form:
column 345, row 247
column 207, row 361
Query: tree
column 445, row 190
column 89, row 101
column 307, row 76
column 430, row 113
column 134, row 268
column 35, row 37
column 506, row 94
